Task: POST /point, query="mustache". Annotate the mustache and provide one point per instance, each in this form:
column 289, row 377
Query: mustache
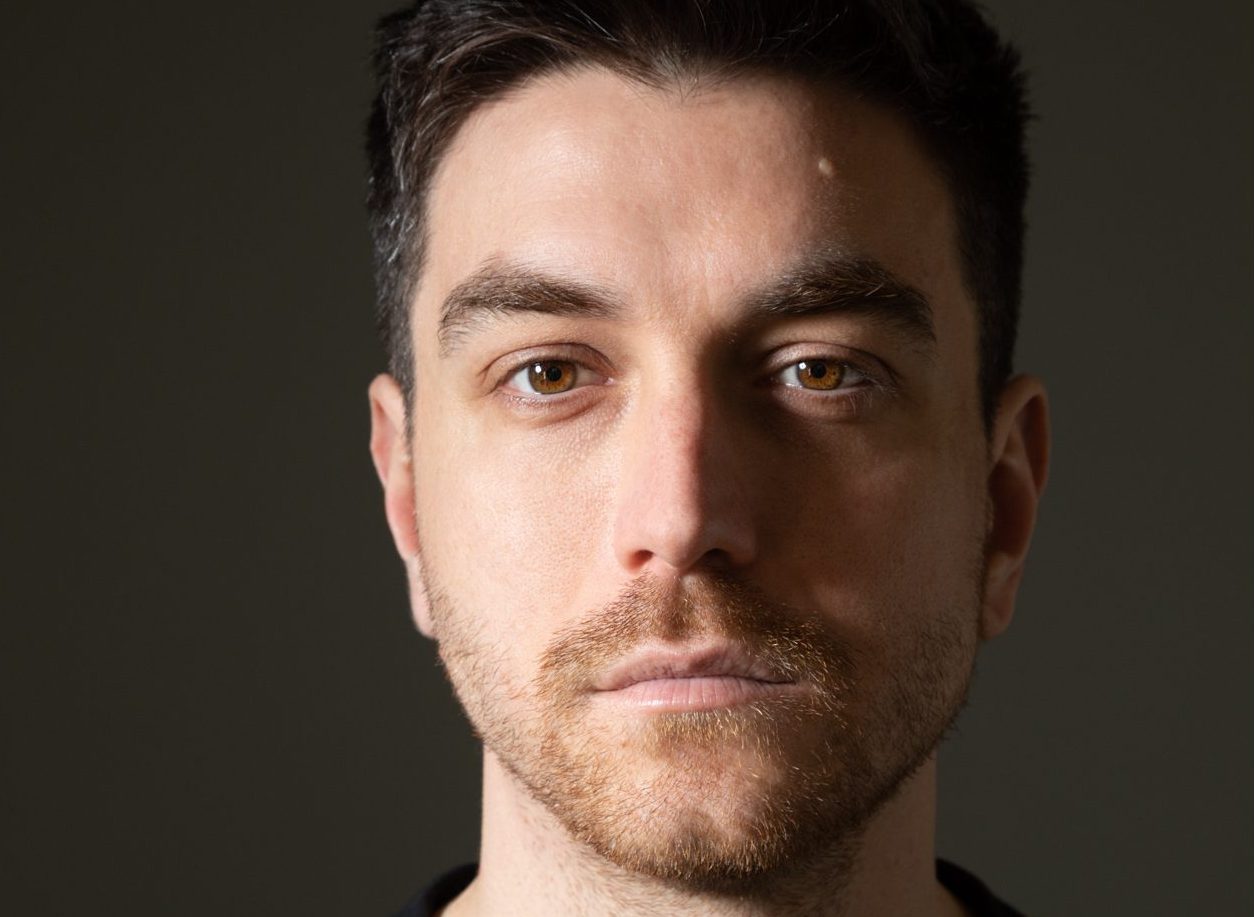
column 787, row 640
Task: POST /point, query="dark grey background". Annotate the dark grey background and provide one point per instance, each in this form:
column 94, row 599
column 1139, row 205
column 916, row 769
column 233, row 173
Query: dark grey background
column 213, row 701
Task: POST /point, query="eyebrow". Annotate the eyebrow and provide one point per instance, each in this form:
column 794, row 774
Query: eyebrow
column 832, row 285
column 827, row 285
column 500, row 289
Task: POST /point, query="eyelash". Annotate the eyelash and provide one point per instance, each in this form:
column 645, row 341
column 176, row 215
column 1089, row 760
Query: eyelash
column 844, row 366
column 865, row 384
column 535, row 399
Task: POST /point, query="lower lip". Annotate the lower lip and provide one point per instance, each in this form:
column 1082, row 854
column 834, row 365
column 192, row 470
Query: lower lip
column 707, row 692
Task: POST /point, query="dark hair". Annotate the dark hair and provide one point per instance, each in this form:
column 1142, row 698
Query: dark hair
column 936, row 61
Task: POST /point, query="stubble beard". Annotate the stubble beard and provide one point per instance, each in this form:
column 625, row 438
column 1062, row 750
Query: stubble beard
column 731, row 799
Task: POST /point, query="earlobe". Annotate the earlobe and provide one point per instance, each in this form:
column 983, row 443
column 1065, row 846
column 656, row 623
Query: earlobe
column 390, row 452
column 1018, row 467
column 419, row 603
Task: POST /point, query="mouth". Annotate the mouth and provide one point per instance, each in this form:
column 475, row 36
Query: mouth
column 680, row 679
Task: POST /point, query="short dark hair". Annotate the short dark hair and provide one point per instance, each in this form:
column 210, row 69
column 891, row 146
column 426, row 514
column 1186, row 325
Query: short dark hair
column 936, row 61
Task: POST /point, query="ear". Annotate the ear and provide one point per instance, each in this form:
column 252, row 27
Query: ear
column 391, row 454
column 1019, row 462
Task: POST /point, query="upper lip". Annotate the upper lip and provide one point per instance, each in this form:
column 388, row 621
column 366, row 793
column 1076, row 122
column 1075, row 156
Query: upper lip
column 707, row 660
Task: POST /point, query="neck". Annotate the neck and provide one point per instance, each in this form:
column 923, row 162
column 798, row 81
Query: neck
column 530, row 865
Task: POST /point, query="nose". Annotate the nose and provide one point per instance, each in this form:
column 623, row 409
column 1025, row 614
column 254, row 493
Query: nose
column 683, row 494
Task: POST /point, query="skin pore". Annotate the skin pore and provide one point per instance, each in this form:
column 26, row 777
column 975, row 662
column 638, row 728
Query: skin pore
column 696, row 371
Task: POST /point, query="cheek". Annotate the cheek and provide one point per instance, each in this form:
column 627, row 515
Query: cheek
column 506, row 525
column 885, row 534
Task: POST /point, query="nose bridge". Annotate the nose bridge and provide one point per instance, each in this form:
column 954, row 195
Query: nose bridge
column 681, row 502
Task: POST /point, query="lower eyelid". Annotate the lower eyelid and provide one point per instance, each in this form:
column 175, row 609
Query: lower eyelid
column 842, row 403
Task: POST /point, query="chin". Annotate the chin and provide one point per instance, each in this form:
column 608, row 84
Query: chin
column 721, row 836
column 718, row 799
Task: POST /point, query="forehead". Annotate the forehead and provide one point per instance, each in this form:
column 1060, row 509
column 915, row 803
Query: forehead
column 682, row 197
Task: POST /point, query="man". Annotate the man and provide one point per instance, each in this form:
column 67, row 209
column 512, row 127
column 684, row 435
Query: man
column 700, row 443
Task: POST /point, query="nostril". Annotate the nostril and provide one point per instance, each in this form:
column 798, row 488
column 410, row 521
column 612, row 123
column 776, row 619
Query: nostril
column 717, row 559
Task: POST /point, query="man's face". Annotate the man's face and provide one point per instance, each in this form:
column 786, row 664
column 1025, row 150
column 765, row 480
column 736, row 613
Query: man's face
column 699, row 474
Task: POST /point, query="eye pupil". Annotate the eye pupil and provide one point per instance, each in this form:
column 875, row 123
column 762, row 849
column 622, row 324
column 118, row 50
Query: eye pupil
column 553, row 374
column 817, row 370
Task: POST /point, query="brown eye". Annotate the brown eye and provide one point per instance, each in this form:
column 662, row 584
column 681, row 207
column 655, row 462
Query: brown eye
column 819, row 374
column 551, row 377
